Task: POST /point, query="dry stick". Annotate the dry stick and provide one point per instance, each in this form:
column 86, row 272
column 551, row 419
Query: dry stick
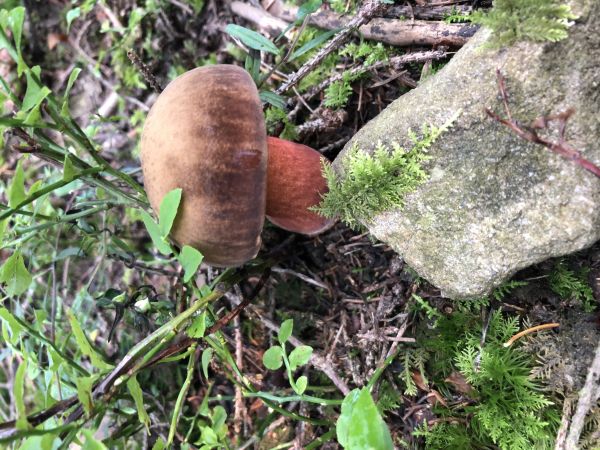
column 530, row 133
column 588, row 397
column 545, row 326
column 389, row 31
column 396, row 62
column 364, row 15
column 428, row 12
column 394, row 31
column 144, row 70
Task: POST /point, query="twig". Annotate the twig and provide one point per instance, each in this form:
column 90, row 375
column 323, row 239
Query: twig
column 588, row 397
column 519, row 335
column 144, row 70
column 239, row 308
column 396, row 62
column 364, row 15
column 239, row 407
column 530, row 133
column 389, row 31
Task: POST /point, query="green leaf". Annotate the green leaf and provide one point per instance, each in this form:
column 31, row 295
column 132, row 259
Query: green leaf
column 301, row 384
column 313, row 43
column 273, row 358
column 138, row 397
column 190, row 259
column 84, row 345
column 307, row 8
column 159, row 444
column 251, row 38
column 360, row 426
column 69, row 169
column 15, row 327
column 252, row 65
column 14, row 273
column 273, row 99
column 3, row 224
column 19, row 393
column 84, row 393
column 72, row 14
column 206, row 357
column 300, row 356
column 208, row 436
column 35, row 93
column 64, row 111
column 16, row 17
column 198, row 327
column 285, row 331
column 218, row 417
column 91, row 443
column 168, row 211
column 16, row 192
column 154, row 232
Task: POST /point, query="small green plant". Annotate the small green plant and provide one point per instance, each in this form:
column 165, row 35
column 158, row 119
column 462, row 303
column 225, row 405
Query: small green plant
column 370, row 184
column 507, row 409
column 338, row 93
column 572, row 286
column 274, row 118
column 533, row 20
column 277, row 355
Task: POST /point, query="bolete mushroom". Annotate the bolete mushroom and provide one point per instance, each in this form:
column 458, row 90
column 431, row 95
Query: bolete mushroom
column 206, row 134
column 295, row 184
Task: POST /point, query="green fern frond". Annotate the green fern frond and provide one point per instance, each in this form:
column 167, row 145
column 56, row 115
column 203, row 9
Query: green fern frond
column 570, row 285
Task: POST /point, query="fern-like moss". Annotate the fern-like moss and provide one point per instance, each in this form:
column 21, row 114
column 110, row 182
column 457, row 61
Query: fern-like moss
column 533, row 20
column 507, row 409
column 370, row 184
column 572, row 286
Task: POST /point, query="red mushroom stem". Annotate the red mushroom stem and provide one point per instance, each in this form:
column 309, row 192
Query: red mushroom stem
column 295, row 183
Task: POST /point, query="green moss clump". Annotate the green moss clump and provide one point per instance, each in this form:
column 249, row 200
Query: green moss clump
column 370, row 184
column 533, row 20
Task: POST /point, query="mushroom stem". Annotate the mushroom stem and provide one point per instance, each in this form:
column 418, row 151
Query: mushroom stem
column 295, row 183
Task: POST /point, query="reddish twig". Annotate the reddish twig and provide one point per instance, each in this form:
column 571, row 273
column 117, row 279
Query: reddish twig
column 529, row 133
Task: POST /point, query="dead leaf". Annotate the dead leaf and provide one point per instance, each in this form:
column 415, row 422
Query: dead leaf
column 53, row 39
column 419, row 381
column 459, row 382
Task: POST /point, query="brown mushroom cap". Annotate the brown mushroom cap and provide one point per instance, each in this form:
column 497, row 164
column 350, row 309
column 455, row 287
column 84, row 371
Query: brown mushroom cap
column 206, row 135
column 295, row 184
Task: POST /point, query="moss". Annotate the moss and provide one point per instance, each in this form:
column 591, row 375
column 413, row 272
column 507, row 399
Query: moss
column 532, row 20
column 370, row 184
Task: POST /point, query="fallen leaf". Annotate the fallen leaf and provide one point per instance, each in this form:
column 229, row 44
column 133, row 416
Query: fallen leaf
column 459, row 382
column 53, row 39
column 419, row 381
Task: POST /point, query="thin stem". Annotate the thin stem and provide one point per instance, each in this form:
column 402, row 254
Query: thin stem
column 293, row 398
column 182, row 393
column 51, row 187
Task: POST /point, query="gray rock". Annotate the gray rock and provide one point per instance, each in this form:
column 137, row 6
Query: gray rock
column 494, row 203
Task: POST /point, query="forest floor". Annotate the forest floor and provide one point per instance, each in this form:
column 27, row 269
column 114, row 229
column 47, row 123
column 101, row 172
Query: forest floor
column 352, row 299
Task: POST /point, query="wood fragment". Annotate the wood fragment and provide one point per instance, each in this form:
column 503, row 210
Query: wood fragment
column 396, row 32
column 588, row 396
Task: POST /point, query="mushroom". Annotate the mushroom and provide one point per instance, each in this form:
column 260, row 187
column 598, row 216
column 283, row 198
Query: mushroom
column 295, row 184
column 206, row 134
